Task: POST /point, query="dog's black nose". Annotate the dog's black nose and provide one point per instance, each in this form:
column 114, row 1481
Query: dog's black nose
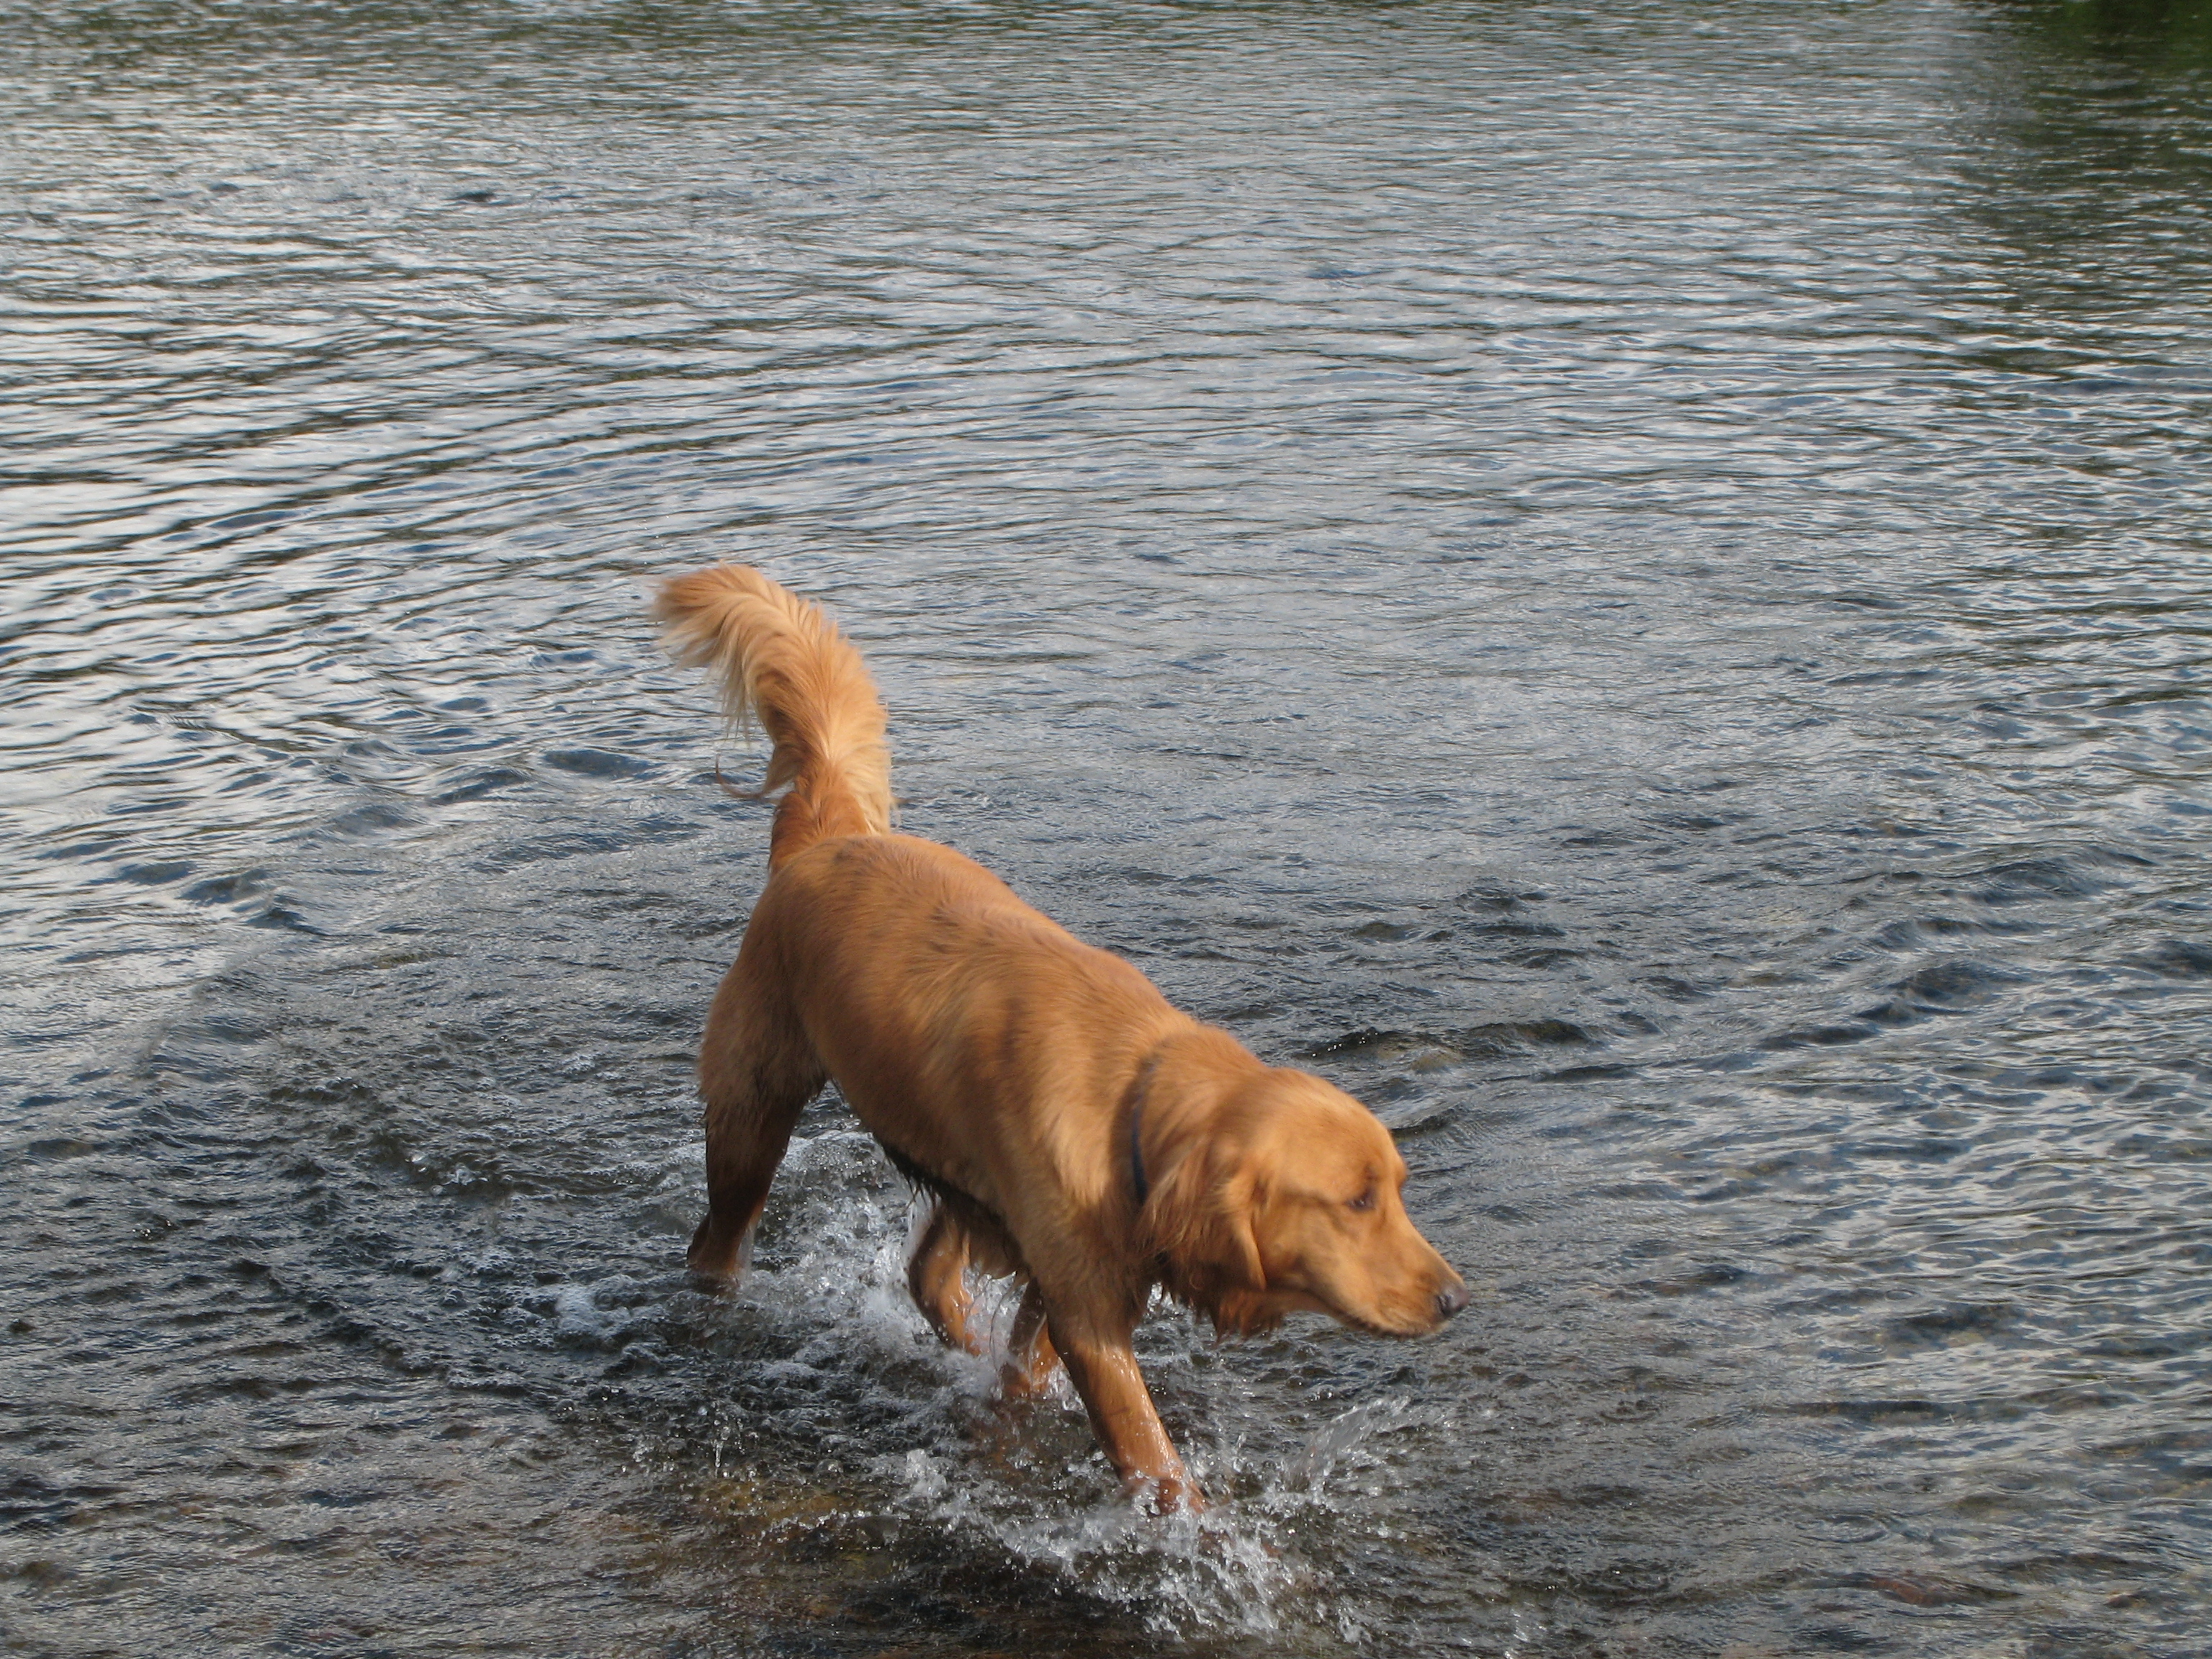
column 1450, row 1300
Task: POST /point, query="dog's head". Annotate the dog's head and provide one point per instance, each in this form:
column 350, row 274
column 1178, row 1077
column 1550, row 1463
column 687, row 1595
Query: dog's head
column 1284, row 1193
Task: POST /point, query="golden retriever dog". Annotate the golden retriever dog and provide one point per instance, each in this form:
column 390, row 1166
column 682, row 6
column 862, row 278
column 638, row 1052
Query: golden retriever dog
column 1075, row 1130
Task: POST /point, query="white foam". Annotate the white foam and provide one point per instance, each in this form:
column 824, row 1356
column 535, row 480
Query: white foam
column 1027, row 1481
column 1246, row 1566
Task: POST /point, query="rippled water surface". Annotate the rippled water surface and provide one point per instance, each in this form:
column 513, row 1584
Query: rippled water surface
column 1627, row 580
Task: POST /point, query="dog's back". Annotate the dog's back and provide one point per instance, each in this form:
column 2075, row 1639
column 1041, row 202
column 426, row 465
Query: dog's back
column 953, row 1015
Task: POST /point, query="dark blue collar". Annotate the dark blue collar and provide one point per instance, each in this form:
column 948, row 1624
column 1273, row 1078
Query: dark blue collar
column 1139, row 1182
column 1142, row 1187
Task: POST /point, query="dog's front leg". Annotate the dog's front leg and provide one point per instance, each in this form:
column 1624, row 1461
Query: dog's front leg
column 1104, row 1371
column 936, row 1276
column 1029, row 1354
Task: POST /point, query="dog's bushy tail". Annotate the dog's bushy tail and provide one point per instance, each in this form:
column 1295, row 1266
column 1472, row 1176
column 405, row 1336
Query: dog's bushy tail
column 780, row 661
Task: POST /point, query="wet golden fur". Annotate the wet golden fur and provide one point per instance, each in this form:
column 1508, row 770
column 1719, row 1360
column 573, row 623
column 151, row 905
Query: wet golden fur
column 1024, row 1077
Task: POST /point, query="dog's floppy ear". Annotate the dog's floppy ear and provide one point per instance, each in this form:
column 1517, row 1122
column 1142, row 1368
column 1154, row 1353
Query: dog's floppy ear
column 1198, row 1224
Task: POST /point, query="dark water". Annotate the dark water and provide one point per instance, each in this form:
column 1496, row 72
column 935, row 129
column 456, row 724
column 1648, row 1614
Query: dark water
column 1628, row 580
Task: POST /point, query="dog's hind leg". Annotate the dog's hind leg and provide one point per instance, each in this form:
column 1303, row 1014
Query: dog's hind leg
column 756, row 1071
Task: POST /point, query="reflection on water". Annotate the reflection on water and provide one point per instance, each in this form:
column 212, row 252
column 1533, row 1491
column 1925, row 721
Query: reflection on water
column 1627, row 583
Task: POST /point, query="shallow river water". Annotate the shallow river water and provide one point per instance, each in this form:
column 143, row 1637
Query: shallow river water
column 1627, row 580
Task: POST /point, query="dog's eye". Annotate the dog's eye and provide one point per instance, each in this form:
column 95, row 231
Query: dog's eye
column 1365, row 1201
